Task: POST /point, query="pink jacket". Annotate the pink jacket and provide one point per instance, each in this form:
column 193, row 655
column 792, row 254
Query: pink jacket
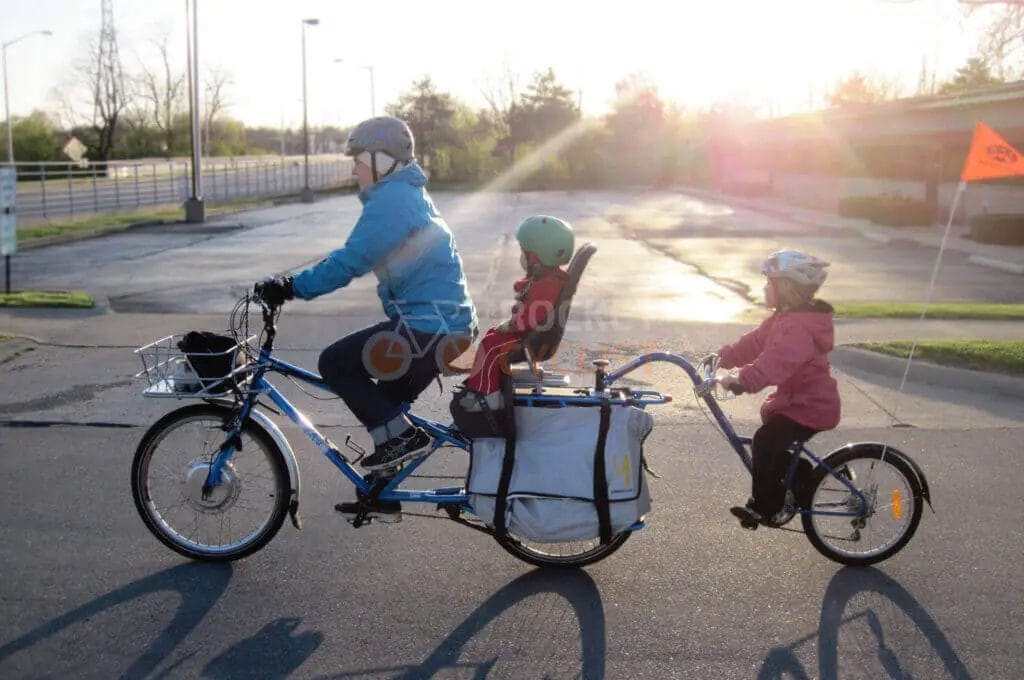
column 790, row 349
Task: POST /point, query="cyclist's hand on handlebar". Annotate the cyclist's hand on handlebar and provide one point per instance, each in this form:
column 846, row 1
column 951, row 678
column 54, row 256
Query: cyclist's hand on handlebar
column 275, row 290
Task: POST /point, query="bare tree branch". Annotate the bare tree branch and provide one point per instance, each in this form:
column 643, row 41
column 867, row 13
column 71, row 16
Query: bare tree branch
column 162, row 95
column 214, row 98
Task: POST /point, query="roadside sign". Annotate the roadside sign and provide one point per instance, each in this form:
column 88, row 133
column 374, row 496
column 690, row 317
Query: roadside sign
column 8, row 219
column 74, row 149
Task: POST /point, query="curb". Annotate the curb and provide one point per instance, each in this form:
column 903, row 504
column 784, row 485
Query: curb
column 993, row 263
column 922, row 372
column 85, row 235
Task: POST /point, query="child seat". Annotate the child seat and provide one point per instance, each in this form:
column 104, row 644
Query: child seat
column 542, row 343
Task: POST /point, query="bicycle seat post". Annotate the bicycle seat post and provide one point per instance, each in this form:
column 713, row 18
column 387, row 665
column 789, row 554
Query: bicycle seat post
column 599, row 374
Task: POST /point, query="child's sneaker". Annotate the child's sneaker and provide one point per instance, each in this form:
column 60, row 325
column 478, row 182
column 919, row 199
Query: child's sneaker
column 749, row 519
column 410, row 444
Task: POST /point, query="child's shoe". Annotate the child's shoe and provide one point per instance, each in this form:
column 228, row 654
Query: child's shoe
column 749, row 518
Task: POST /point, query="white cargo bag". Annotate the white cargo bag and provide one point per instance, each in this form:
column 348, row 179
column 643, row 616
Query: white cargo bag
column 551, row 491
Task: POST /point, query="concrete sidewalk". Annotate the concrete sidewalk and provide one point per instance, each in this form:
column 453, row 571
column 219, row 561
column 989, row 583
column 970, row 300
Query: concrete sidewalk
column 1004, row 258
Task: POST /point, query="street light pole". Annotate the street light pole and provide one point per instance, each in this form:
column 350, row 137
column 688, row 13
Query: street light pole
column 7, row 102
column 195, row 207
column 307, row 192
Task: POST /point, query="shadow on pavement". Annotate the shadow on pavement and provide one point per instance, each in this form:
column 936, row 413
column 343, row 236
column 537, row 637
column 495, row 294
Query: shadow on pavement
column 559, row 632
column 274, row 652
column 870, row 626
column 984, row 394
column 198, row 585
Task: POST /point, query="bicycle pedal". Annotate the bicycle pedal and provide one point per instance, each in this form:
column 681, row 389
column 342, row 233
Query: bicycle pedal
column 361, row 513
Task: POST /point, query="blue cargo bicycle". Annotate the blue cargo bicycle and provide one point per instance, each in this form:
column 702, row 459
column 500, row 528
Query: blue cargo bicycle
column 215, row 480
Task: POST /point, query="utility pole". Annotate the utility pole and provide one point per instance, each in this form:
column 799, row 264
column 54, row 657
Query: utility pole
column 195, row 208
column 307, row 192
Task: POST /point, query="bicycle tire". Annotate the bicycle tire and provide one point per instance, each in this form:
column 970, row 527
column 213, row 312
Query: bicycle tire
column 842, row 463
column 542, row 557
column 160, row 526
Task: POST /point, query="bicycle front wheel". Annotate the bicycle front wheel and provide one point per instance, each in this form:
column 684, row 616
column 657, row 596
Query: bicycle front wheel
column 565, row 554
column 236, row 517
column 863, row 529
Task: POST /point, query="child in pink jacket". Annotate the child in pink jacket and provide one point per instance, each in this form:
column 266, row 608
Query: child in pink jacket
column 789, row 350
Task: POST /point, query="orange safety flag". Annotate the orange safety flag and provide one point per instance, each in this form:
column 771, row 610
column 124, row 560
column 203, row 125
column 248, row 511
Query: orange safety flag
column 991, row 156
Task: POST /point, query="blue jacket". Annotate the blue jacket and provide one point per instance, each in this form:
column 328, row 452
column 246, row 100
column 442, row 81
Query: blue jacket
column 402, row 237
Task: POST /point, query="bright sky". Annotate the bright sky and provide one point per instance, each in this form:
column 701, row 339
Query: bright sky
column 781, row 53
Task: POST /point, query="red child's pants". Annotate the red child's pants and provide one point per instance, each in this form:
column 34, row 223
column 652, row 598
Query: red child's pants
column 488, row 364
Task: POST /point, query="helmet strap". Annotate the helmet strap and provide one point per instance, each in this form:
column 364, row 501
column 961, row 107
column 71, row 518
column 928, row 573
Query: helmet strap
column 373, row 167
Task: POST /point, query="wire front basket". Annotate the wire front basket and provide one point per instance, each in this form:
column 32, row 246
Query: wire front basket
column 170, row 371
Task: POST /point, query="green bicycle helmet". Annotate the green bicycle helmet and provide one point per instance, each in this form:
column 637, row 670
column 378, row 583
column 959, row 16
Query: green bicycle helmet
column 549, row 238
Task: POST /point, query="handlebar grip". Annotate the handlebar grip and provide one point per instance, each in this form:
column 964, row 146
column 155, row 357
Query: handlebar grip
column 736, row 388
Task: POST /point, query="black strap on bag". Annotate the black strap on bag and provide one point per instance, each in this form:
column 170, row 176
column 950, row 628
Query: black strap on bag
column 604, row 519
column 508, row 462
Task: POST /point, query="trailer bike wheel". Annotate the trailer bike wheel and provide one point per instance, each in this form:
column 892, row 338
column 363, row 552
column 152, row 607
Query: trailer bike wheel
column 565, row 554
column 867, row 531
column 234, row 519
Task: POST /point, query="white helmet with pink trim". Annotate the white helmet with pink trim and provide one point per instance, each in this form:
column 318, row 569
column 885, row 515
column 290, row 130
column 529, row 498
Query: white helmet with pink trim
column 796, row 266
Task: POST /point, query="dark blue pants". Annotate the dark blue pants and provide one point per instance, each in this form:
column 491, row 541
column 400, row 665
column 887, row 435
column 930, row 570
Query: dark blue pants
column 372, row 400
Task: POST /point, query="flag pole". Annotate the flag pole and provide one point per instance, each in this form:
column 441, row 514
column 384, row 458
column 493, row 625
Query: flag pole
column 931, row 284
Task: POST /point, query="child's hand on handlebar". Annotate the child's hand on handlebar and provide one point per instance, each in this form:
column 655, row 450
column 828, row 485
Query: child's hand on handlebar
column 731, row 382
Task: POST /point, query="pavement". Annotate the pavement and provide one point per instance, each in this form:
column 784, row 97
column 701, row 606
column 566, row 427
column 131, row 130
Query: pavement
column 1001, row 257
column 89, row 593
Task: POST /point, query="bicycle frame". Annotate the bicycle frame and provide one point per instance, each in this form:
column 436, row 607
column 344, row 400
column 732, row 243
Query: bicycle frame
column 449, row 436
column 739, row 443
column 442, row 435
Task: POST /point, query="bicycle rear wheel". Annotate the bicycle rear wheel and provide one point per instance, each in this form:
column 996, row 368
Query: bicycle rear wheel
column 239, row 516
column 566, row 554
column 893, row 497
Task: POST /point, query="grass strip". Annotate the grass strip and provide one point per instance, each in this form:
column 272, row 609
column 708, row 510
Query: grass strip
column 938, row 310
column 999, row 356
column 31, row 298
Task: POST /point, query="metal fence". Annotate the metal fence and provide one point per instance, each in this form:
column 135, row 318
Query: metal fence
column 49, row 190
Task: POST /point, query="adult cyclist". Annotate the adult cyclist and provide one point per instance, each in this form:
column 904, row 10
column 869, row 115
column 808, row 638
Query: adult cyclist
column 402, row 238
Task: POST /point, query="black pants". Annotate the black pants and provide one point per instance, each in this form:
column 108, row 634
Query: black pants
column 376, row 401
column 771, row 455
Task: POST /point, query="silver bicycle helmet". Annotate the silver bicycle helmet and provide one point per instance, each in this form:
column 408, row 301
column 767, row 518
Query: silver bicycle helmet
column 383, row 133
column 796, row 266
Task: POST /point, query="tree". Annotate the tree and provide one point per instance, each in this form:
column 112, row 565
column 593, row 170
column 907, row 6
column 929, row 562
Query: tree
column 501, row 93
column 1002, row 42
column 160, row 99
column 35, row 138
column 93, row 105
column 973, row 75
column 545, row 109
column 639, row 129
column 430, row 114
column 215, row 101
column 858, row 89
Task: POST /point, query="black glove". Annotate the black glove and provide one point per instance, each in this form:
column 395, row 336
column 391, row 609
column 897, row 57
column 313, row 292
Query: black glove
column 275, row 291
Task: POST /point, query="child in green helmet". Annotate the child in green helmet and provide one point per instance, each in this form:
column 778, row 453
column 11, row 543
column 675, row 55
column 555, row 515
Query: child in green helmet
column 546, row 243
